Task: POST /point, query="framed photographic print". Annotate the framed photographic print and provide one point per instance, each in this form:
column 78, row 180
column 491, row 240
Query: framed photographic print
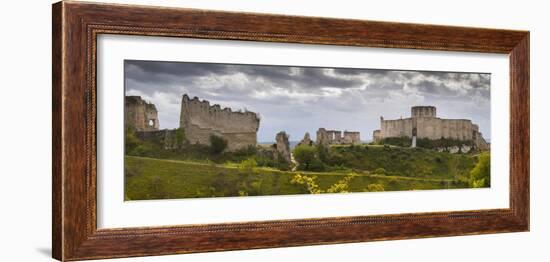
column 182, row 130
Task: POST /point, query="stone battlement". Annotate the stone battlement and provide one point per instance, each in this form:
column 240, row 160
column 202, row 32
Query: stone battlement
column 423, row 111
column 200, row 120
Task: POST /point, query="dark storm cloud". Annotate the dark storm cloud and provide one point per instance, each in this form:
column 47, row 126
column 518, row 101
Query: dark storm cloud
column 172, row 72
column 289, row 94
column 177, row 69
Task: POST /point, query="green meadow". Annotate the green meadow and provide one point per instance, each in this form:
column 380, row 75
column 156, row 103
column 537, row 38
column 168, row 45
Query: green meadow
column 150, row 178
column 197, row 171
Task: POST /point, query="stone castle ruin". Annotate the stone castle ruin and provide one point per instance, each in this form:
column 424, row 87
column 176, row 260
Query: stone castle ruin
column 306, row 141
column 200, row 120
column 140, row 115
column 283, row 146
column 334, row 137
column 424, row 123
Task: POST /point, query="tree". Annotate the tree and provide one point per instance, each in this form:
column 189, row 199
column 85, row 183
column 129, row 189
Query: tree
column 130, row 140
column 480, row 176
column 306, row 156
column 323, row 152
column 217, row 144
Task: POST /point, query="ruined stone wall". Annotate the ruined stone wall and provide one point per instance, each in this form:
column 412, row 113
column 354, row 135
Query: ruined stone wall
column 436, row 128
column 351, row 137
column 396, row 128
column 167, row 137
column 200, row 120
column 376, row 136
column 140, row 115
column 334, row 137
column 322, row 136
column 428, row 127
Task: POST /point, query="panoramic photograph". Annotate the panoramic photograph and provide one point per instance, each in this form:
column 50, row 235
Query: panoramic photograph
column 201, row 130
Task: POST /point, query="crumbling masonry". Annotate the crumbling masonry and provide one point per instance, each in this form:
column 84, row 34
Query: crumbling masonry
column 200, row 120
column 334, row 137
column 140, row 115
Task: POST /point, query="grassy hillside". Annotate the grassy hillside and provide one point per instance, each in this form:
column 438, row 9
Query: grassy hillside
column 149, row 178
column 403, row 161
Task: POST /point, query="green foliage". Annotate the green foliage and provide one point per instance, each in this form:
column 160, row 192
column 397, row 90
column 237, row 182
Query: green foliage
column 323, row 152
column 246, row 151
column 217, row 144
column 480, row 176
column 181, row 140
column 397, row 141
column 148, row 178
column 342, row 186
column 305, row 155
column 309, row 182
column 441, row 143
column 424, row 142
column 308, row 158
column 130, row 140
column 398, row 161
column 374, row 188
column 248, row 165
column 195, row 170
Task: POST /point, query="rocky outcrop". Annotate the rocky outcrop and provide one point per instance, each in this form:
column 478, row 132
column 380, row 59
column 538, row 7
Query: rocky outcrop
column 306, row 141
column 283, row 146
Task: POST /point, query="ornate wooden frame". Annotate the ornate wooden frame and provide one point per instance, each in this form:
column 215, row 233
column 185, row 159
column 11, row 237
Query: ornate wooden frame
column 76, row 26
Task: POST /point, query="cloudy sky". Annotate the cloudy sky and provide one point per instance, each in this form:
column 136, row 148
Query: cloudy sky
column 302, row 99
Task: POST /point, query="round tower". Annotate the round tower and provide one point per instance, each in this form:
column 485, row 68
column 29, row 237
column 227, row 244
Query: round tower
column 423, row 111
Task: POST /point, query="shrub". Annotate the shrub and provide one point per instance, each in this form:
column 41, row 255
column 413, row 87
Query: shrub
column 246, row 151
column 217, row 144
column 307, row 157
column 310, row 183
column 342, row 186
column 248, row 165
column 130, row 140
column 374, row 188
column 397, row 141
column 180, row 137
column 380, row 171
column 480, row 176
column 323, row 153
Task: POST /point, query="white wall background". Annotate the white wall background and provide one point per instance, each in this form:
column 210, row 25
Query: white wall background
column 25, row 147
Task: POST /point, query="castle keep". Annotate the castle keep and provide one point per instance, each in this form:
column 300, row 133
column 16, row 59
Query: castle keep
column 424, row 123
column 200, row 120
